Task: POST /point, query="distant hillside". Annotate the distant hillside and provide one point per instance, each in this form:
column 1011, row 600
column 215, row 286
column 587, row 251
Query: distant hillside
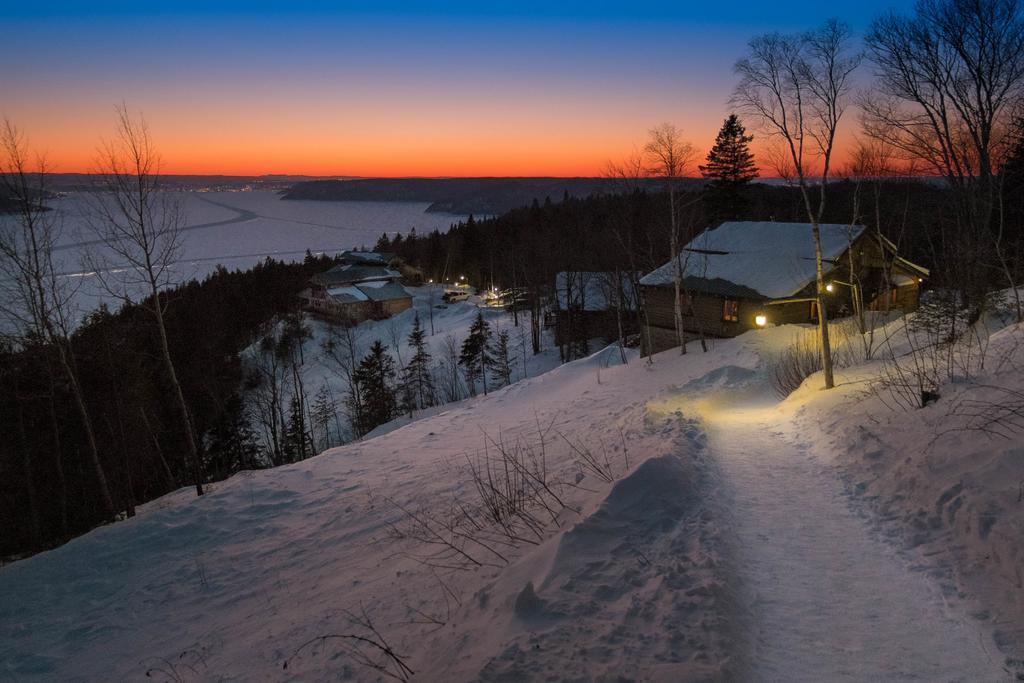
column 77, row 182
column 480, row 196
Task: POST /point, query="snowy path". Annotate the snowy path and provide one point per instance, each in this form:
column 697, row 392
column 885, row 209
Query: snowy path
column 825, row 599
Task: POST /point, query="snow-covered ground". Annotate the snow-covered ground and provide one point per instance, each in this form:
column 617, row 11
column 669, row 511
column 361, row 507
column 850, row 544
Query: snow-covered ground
column 445, row 327
column 684, row 526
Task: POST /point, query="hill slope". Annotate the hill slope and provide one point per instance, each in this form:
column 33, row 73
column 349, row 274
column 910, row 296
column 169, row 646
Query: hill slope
column 643, row 548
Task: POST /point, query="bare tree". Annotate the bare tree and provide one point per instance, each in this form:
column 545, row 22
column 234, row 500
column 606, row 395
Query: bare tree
column 341, row 351
column 668, row 156
column 34, row 299
column 629, row 174
column 138, row 225
column 947, row 80
column 797, row 86
column 450, row 385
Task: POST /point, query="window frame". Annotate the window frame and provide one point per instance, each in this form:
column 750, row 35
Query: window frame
column 730, row 310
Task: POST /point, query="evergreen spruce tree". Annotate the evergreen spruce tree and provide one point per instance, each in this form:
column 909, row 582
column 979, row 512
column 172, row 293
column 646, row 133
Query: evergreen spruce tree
column 298, row 444
column 730, row 167
column 231, row 444
column 503, row 360
column 324, row 412
column 476, row 358
column 417, row 382
column 376, row 377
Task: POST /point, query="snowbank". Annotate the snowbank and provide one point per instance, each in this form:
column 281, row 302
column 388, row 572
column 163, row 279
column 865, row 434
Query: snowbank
column 948, row 493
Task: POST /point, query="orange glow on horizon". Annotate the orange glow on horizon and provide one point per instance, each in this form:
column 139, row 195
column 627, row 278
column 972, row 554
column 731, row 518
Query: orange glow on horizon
column 533, row 154
column 384, row 134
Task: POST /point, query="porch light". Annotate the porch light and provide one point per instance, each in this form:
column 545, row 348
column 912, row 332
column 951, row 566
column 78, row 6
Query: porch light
column 761, row 319
column 830, row 288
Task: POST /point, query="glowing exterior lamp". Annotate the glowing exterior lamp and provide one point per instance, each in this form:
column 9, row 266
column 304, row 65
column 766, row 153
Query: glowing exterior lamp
column 830, row 288
column 760, row 320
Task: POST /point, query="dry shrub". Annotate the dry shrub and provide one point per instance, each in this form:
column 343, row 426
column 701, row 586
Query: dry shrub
column 788, row 368
column 515, row 496
column 941, row 343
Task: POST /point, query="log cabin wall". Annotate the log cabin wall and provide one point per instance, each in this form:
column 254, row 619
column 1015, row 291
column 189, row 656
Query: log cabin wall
column 705, row 311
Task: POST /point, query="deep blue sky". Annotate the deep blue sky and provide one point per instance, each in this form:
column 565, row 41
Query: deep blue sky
column 384, row 87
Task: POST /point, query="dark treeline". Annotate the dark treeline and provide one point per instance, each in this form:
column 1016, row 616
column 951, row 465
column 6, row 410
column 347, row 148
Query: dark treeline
column 526, row 247
column 48, row 492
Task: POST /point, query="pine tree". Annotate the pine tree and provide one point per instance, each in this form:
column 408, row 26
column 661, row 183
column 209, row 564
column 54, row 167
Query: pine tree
column 503, row 360
column 476, row 358
column 376, row 377
column 730, row 167
column 298, row 444
column 231, row 444
column 324, row 412
column 417, row 382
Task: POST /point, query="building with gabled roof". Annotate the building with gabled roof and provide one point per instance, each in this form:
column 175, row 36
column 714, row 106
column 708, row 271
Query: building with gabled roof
column 353, row 292
column 593, row 304
column 742, row 271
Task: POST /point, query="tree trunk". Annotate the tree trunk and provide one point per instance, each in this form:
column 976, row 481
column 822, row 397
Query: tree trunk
column 30, row 487
column 826, row 349
column 179, row 397
column 67, row 362
column 59, row 465
column 159, row 451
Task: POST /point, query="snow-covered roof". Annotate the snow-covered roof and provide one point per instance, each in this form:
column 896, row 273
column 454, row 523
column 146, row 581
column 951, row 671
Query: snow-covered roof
column 350, row 273
column 756, row 259
column 347, row 294
column 593, row 291
column 383, row 291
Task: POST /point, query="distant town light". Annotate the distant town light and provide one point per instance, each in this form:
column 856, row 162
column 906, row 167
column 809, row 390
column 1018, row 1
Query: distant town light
column 761, row 320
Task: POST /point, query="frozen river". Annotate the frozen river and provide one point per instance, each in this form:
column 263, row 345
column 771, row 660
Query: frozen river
column 239, row 229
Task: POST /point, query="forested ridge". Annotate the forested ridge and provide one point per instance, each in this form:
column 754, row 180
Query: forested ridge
column 47, row 491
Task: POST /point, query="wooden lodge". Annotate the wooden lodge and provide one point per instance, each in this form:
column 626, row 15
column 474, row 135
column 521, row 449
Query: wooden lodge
column 357, row 291
column 741, row 275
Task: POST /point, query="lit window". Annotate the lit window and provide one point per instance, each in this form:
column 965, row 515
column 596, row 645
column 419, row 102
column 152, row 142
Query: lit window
column 731, row 310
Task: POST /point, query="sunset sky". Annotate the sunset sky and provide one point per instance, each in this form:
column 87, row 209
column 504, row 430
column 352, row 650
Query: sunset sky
column 384, row 88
